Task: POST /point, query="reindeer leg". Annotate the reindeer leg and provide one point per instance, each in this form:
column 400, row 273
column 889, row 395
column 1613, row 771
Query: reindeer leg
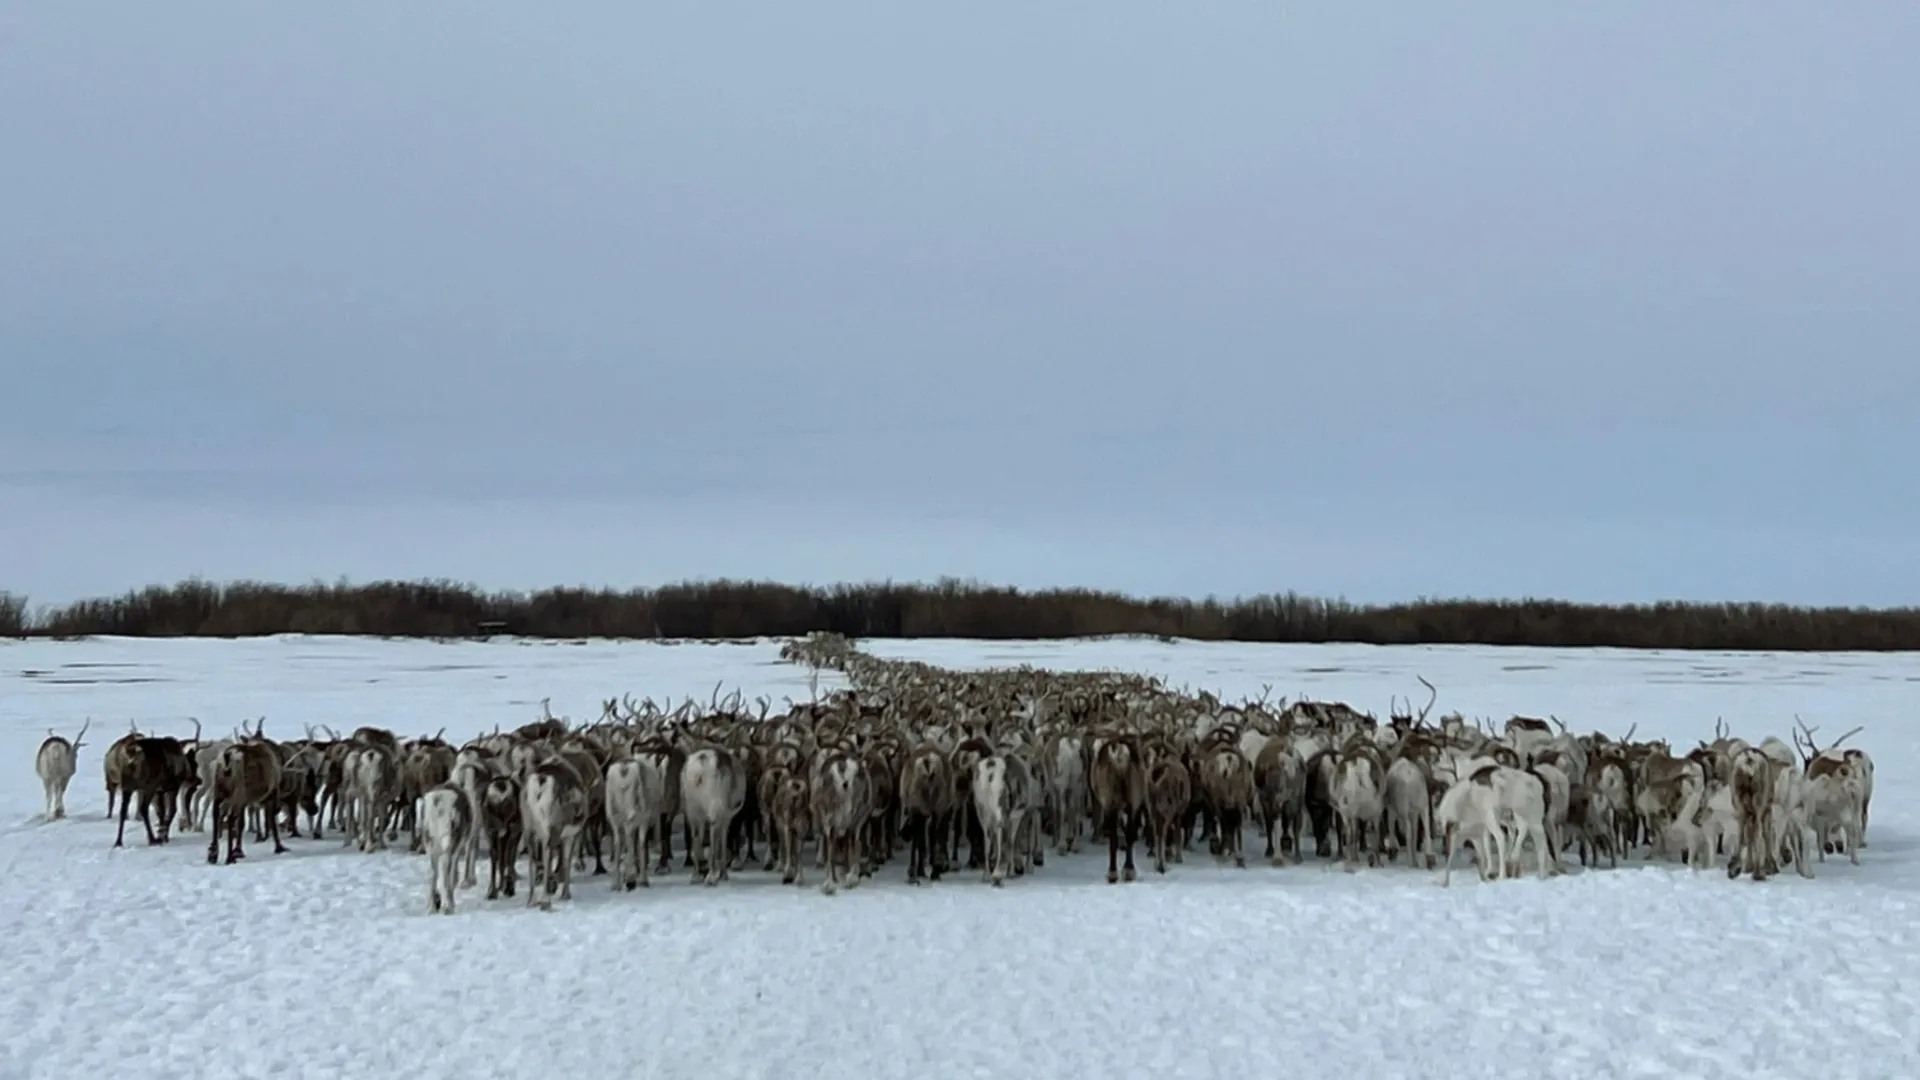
column 1110, row 824
column 213, row 841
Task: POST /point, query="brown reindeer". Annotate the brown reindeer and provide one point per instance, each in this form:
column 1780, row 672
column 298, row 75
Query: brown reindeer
column 1169, row 793
column 1280, row 782
column 114, row 765
column 1752, row 784
column 1226, row 782
column 1119, row 785
column 839, row 796
column 784, row 799
column 926, row 798
column 246, row 777
column 500, row 817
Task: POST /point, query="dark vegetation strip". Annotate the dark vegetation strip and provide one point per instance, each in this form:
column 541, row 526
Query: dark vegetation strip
column 734, row 609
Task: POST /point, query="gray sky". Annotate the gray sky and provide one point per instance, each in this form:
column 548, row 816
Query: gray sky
column 1594, row 301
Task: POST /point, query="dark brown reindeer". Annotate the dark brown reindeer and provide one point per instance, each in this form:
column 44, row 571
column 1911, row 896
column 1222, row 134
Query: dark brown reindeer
column 501, row 818
column 154, row 768
column 1120, row 797
column 926, row 799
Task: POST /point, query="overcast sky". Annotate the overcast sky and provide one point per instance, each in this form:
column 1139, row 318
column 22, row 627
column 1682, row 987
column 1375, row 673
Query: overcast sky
column 1595, row 301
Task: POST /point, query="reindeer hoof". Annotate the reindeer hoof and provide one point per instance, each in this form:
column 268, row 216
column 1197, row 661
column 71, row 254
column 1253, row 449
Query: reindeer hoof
column 1113, row 876
column 1130, row 874
column 828, row 889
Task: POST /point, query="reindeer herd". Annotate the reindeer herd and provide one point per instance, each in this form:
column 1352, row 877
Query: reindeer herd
column 994, row 767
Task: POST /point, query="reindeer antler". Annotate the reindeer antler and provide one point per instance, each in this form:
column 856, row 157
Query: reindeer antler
column 1803, row 741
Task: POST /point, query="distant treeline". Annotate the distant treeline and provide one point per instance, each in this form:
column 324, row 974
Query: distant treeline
column 736, row 609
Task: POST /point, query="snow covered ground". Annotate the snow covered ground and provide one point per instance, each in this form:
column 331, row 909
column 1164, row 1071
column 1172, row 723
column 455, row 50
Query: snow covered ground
column 146, row 962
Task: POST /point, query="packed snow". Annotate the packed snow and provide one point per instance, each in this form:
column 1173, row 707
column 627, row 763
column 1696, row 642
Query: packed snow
column 147, row 962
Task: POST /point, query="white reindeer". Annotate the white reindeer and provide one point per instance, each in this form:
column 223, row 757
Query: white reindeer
column 1522, row 801
column 55, row 765
column 993, row 802
column 1066, row 774
column 1557, row 792
column 471, row 775
column 630, row 808
column 712, row 791
column 1469, row 810
column 1357, row 802
column 446, row 818
column 1409, row 811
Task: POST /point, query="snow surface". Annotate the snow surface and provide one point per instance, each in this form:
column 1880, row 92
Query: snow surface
column 146, row 962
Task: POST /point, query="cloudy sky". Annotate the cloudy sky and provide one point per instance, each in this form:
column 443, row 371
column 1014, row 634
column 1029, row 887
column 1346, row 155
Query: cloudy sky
column 1598, row 301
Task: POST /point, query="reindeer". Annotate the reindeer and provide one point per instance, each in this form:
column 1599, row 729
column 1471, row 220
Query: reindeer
column 1407, row 805
column 712, row 790
column 1834, row 799
column 1066, row 779
column 55, row 764
column 1752, row 785
column 1470, row 811
column 994, row 804
column 1119, row 784
column 1590, row 817
column 471, row 774
column 374, row 788
column 501, row 816
column 447, row 820
column 424, row 765
column 926, row 793
column 206, row 759
column 114, row 765
column 1557, row 792
column 1169, row 793
column 838, row 800
column 554, row 809
column 246, row 777
column 1226, row 782
column 784, row 798
column 1357, row 801
column 1280, row 780
column 629, row 807
column 1522, row 800
column 153, row 767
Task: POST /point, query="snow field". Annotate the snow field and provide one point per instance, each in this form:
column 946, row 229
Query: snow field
column 322, row 962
